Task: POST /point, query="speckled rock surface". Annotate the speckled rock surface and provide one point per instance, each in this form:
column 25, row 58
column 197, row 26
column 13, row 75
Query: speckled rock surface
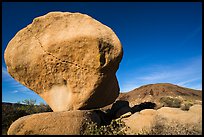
column 69, row 59
column 148, row 119
column 53, row 123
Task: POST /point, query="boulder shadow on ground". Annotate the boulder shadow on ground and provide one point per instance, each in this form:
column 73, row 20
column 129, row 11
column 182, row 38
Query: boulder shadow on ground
column 145, row 105
column 121, row 107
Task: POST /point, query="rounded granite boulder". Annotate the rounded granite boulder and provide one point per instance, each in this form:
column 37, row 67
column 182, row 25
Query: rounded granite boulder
column 69, row 59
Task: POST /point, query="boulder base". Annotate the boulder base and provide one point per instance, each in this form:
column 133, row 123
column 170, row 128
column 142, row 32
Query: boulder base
column 53, row 123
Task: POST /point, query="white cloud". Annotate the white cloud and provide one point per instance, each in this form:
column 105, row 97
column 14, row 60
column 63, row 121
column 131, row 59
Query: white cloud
column 155, row 76
column 15, row 91
column 184, row 83
column 5, row 75
column 191, row 35
column 19, row 88
column 4, row 71
column 187, row 74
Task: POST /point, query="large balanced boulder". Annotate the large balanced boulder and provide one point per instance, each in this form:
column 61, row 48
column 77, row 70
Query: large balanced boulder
column 54, row 123
column 69, row 59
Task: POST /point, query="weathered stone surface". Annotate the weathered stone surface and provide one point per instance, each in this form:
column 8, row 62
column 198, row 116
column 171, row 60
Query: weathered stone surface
column 53, row 123
column 69, row 59
column 140, row 121
column 194, row 115
column 146, row 120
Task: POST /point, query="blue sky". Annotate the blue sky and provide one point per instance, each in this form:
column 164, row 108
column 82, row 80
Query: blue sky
column 162, row 42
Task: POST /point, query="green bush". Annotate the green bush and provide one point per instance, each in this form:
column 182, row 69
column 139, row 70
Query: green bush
column 170, row 102
column 116, row 127
column 11, row 113
column 186, row 105
column 29, row 102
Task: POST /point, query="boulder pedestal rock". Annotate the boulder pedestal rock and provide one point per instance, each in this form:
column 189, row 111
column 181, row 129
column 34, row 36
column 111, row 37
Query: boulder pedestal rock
column 69, row 59
column 53, row 123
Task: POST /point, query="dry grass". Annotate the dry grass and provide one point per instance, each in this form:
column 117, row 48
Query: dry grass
column 162, row 127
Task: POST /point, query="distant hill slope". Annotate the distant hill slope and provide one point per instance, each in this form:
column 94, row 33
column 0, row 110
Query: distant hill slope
column 153, row 93
column 14, row 104
column 8, row 103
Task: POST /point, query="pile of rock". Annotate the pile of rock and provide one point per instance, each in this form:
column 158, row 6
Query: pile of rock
column 70, row 60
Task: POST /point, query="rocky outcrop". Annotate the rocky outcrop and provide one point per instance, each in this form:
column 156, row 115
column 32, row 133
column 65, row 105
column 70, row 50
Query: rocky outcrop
column 140, row 119
column 53, row 123
column 69, row 59
column 165, row 120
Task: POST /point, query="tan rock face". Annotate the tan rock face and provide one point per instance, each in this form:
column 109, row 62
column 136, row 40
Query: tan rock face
column 69, row 59
column 146, row 120
column 53, row 123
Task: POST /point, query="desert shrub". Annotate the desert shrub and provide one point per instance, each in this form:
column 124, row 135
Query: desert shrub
column 170, row 102
column 29, row 102
column 11, row 113
column 186, row 105
column 116, row 127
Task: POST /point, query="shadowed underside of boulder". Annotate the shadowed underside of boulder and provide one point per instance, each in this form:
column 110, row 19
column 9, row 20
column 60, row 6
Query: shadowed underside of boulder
column 69, row 59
